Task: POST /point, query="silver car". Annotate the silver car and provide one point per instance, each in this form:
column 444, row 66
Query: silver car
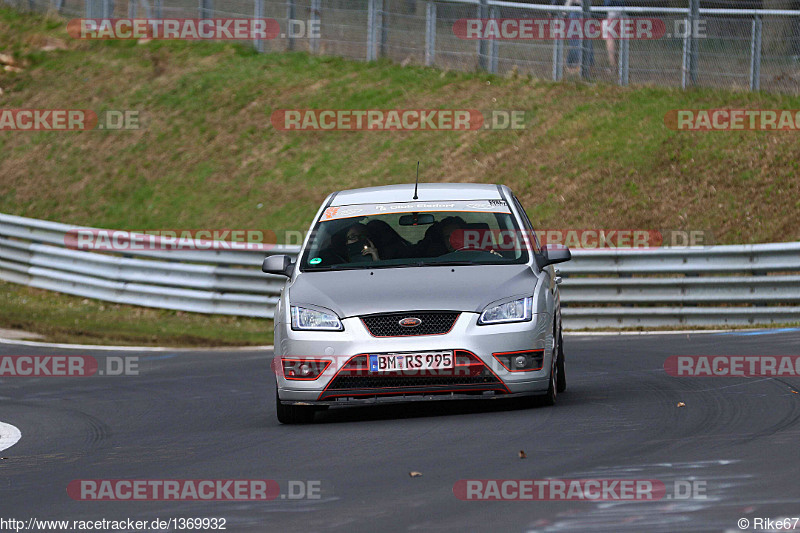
column 407, row 292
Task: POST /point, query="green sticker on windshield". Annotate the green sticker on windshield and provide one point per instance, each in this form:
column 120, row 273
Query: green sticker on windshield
column 315, row 261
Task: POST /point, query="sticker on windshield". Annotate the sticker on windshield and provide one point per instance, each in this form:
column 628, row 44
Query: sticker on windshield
column 315, row 261
column 349, row 211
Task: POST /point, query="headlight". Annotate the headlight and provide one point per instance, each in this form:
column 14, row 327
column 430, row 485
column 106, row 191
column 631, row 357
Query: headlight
column 513, row 311
column 311, row 319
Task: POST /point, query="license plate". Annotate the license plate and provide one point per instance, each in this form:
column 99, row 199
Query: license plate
column 411, row 361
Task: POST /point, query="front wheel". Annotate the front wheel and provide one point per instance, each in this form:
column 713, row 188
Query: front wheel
column 558, row 381
column 552, row 390
column 293, row 414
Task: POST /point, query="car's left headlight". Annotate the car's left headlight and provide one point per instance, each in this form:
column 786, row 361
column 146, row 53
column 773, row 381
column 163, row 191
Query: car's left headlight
column 311, row 319
column 513, row 311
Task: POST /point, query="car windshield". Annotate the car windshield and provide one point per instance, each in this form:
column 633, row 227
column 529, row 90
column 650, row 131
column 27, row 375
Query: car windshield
column 365, row 236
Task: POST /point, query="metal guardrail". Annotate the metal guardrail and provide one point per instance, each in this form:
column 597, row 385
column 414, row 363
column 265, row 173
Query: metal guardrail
column 708, row 286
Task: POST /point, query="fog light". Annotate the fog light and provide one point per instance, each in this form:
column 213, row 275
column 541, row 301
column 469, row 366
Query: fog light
column 521, row 361
column 303, row 368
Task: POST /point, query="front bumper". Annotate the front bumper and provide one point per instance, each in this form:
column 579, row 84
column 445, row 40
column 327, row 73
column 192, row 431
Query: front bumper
column 466, row 339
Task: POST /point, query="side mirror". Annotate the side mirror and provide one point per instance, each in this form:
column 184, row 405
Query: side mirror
column 551, row 255
column 281, row 265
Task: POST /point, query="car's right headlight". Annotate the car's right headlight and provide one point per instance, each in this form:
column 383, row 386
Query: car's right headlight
column 503, row 313
column 313, row 320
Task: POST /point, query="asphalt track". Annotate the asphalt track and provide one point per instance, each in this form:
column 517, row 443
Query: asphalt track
column 210, row 415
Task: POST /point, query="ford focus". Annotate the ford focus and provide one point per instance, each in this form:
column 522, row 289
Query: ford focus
column 417, row 292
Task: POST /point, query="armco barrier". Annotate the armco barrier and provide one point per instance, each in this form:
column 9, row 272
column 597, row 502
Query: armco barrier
column 705, row 286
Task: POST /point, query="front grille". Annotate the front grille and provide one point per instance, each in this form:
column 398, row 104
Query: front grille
column 469, row 375
column 388, row 325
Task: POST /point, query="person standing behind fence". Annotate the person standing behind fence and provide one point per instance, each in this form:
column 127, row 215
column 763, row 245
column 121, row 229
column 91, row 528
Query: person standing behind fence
column 574, row 44
column 611, row 43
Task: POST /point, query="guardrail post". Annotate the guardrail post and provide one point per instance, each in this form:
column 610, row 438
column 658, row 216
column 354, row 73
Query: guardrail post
column 586, row 54
column 624, row 55
column 258, row 13
column 483, row 45
column 755, row 55
column 290, row 16
column 430, row 34
column 694, row 18
column 558, row 59
column 493, row 14
column 315, row 16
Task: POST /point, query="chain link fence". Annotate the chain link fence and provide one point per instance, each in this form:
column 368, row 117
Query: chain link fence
column 741, row 44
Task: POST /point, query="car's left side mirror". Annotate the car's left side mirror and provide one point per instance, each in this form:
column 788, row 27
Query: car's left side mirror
column 280, row 265
column 551, row 255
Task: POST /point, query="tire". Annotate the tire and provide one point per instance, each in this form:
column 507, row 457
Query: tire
column 552, row 390
column 293, row 414
column 561, row 384
column 554, row 386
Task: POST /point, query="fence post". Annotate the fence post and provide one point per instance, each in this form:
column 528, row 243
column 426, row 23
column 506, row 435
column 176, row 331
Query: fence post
column 685, row 56
column 493, row 14
column 430, row 34
column 624, row 59
column 159, row 4
column 483, row 45
column 131, row 9
column 107, row 9
column 694, row 18
column 755, row 55
column 87, row 8
column 290, row 17
column 384, row 28
column 258, row 13
column 371, row 9
column 558, row 59
column 315, row 16
column 586, row 44
column 205, row 9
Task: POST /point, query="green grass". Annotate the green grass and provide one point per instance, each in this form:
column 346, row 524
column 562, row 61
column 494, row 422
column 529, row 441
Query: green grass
column 65, row 318
column 207, row 156
column 592, row 155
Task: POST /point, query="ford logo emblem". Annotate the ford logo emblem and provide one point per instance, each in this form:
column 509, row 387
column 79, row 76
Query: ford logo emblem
column 410, row 322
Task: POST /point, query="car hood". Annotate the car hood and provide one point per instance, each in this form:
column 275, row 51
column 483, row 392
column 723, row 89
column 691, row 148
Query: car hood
column 457, row 288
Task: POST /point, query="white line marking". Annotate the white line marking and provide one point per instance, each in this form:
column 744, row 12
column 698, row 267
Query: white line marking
column 679, row 332
column 9, row 435
column 132, row 348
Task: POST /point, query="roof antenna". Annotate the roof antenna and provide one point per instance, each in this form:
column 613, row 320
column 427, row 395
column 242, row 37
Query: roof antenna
column 416, row 183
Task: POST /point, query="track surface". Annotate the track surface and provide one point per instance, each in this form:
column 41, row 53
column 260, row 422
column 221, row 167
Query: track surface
column 210, row 415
